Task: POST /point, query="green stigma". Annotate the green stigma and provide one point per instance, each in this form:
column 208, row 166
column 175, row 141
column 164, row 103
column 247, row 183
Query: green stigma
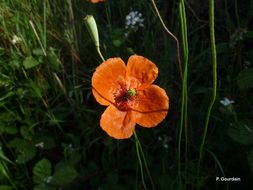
column 131, row 92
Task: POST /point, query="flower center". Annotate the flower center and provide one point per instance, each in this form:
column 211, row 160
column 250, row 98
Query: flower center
column 131, row 92
column 123, row 98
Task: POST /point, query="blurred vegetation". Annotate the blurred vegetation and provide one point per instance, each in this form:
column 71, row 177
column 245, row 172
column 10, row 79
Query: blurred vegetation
column 49, row 121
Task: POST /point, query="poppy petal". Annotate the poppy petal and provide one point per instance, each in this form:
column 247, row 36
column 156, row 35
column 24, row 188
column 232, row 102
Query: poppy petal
column 151, row 106
column 106, row 79
column 95, row 1
column 142, row 69
column 116, row 123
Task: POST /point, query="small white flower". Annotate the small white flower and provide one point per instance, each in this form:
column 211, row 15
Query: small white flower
column 134, row 20
column 226, row 101
column 40, row 145
column 15, row 40
column 126, row 34
column 48, row 179
column 164, row 140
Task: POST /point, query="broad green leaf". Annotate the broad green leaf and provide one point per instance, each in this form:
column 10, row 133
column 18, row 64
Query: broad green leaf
column 245, row 79
column 15, row 142
column 26, row 152
column 36, row 89
column 54, row 61
column 75, row 157
column 41, row 171
column 21, row 92
column 64, row 175
column 6, row 116
column 26, row 132
column 241, row 133
column 12, row 130
column 38, row 52
column 15, row 64
column 30, row 62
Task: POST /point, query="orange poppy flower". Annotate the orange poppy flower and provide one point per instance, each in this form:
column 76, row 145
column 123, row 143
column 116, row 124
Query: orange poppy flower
column 95, row 1
column 129, row 94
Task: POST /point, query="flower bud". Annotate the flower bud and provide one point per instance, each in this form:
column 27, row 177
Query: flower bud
column 92, row 29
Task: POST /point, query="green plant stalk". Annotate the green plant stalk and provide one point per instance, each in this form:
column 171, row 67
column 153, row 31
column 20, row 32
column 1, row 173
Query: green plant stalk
column 100, row 54
column 140, row 161
column 72, row 18
column 180, row 136
column 74, row 46
column 37, row 37
column 45, row 23
column 214, row 75
column 184, row 94
column 185, row 81
column 185, row 47
column 144, row 159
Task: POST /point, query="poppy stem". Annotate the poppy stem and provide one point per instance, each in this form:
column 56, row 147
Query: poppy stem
column 139, row 147
column 99, row 53
column 140, row 161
